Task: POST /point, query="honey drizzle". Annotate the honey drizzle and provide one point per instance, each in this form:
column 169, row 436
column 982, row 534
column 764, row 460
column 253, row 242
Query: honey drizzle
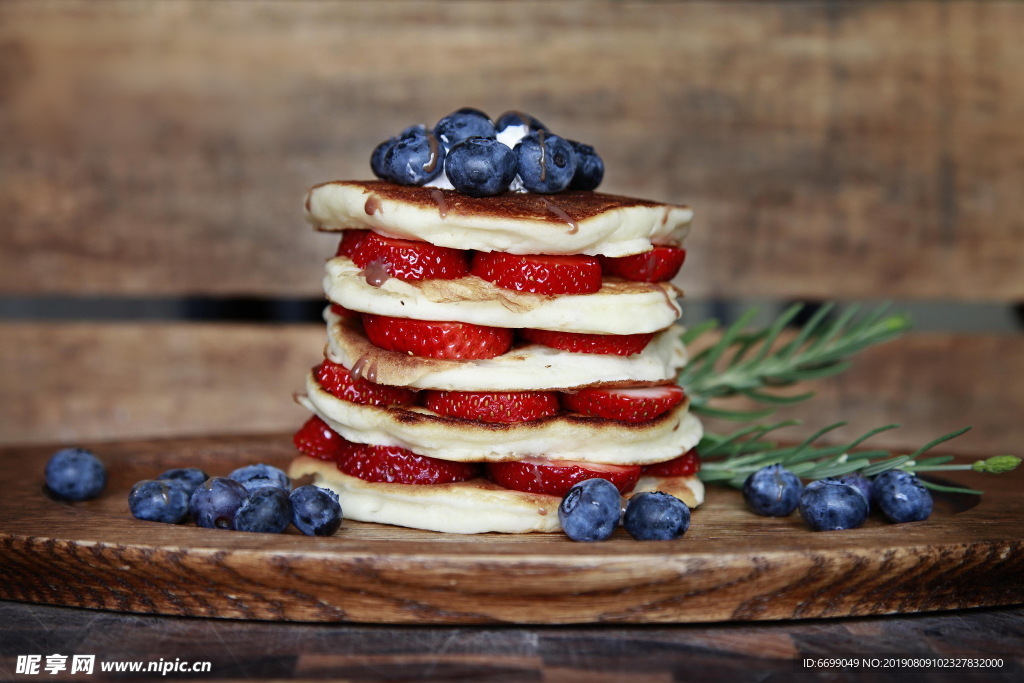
column 372, row 205
column 574, row 227
column 543, row 157
column 432, row 161
column 442, row 205
column 365, row 368
column 375, row 273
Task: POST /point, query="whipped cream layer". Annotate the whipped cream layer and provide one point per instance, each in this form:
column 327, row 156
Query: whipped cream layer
column 562, row 437
column 619, row 307
column 467, row 507
column 566, row 223
column 527, row 367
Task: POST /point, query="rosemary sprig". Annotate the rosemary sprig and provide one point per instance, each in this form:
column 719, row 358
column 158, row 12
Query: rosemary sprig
column 755, row 365
column 731, row 458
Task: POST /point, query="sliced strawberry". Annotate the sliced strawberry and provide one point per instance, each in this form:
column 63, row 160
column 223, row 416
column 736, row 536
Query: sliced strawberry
column 630, row 404
column 411, row 259
column 350, row 239
column 493, row 406
column 540, row 274
column 660, row 264
column 556, row 477
column 339, row 382
column 578, row 342
column 342, row 312
column 436, row 339
column 317, row 440
column 395, row 465
column 685, row 465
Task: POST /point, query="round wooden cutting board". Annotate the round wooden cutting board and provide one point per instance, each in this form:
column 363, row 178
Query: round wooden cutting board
column 731, row 565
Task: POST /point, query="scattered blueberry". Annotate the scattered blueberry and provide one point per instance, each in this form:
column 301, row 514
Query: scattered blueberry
column 656, row 516
column 480, row 167
column 414, row 159
column 518, row 118
column 159, row 500
column 589, row 167
column 464, row 123
column 191, row 477
column 75, row 474
column 315, row 511
column 901, row 496
column 547, row 162
column 772, row 491
column 267, row 510
column 862, row 484
column 590, row 510
column 216, row 502
column 830, row 505
column 254, row 477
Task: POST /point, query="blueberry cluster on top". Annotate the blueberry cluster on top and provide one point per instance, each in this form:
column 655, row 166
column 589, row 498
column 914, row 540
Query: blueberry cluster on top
column 469, row 152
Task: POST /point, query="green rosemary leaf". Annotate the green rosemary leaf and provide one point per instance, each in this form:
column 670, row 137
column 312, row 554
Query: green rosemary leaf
column 936, row 442
column 949, row 489
column 730, row 414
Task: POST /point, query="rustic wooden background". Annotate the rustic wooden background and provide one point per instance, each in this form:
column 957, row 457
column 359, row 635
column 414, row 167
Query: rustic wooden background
column 849, row 151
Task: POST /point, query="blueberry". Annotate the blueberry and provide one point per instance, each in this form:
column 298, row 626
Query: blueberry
column 216, row 502
column 590, row 510
column 862, row 484
column 254, row 477
column 480, row 167
column 267, row 510
column 380, row 151
column 589, row 167
column 656, row 516
column 518, row 118
column 75, row 474
column 546, row 162
column 156, row 500
column 191, row 477
column 830, row 505
column 901, row 496
column 772, row 491
column 464, row 123
column 315, row 511
column 414, row 159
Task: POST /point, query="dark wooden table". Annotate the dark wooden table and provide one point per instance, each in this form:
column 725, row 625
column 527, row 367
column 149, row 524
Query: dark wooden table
column 771, row 651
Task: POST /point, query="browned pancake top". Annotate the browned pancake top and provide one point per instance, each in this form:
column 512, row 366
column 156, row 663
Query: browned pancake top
column 580, row 205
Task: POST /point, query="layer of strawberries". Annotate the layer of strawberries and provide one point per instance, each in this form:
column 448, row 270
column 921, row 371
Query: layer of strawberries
column 541, row 274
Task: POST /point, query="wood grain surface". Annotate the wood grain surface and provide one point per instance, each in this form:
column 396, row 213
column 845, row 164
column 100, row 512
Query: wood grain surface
column 604, row 653
column 830, row 150
column 731, row 565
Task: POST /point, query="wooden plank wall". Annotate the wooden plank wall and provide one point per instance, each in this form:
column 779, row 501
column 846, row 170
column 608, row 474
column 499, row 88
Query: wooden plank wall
column 831, row 150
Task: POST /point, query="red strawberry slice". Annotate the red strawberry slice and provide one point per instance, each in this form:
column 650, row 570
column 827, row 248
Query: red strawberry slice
column 342, row 312
column 579, row 342
column 396, row 465
column 685, row 465
column 629, row 404
column 339, row 382
column 436, row 339
column 493, row 406
column 537, row 273
column 660, row 264
column 350, row 239
column 556, row 477
column 317, row 440
column 411, row 259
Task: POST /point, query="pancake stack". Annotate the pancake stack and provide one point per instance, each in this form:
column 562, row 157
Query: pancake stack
column 485, row 353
